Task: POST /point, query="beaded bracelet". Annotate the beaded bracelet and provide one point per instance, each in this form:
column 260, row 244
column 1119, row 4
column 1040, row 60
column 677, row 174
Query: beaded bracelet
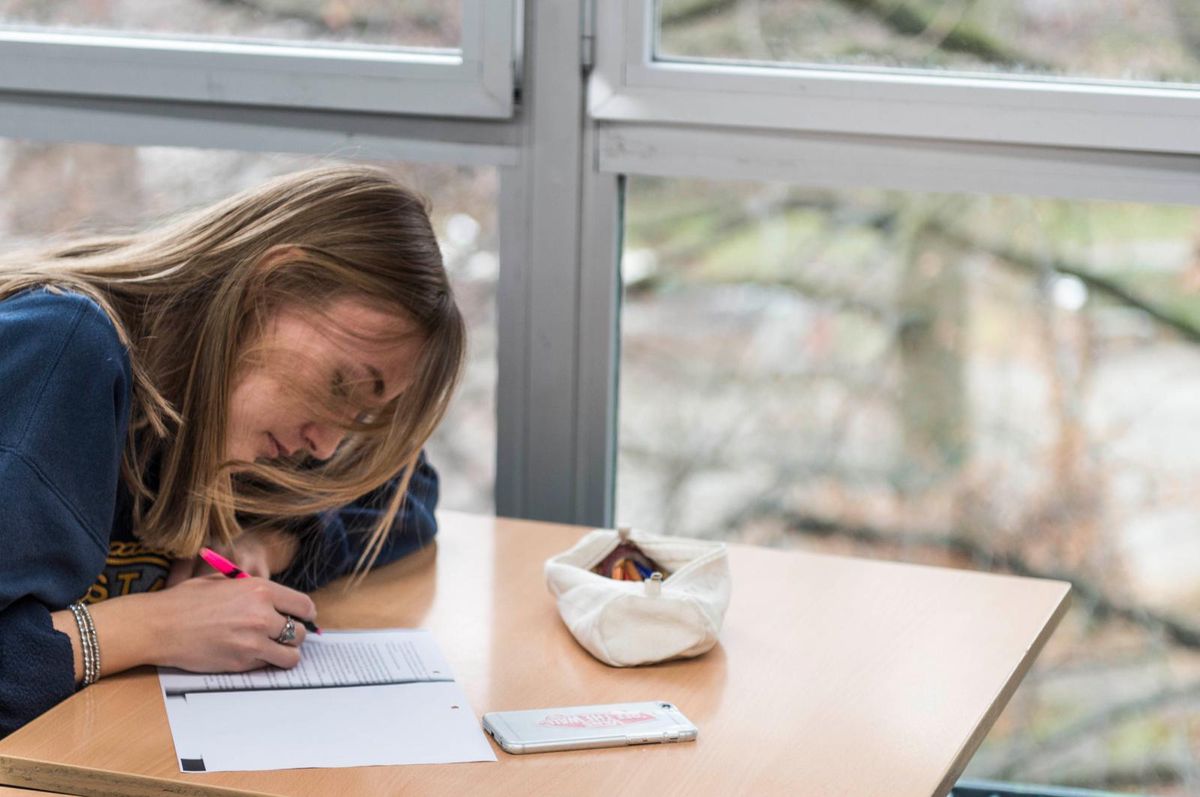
column 89, row 643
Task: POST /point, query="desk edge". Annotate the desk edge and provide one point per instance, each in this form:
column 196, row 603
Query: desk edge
column 989, row 717
column 90, row 782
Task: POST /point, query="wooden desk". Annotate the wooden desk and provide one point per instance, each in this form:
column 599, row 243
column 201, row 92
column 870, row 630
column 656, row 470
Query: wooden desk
column 834, row 676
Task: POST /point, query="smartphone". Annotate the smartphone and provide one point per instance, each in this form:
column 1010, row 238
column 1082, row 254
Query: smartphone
column 579, row 727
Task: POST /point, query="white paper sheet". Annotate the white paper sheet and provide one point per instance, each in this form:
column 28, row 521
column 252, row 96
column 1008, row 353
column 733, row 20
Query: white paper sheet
column 357, row 698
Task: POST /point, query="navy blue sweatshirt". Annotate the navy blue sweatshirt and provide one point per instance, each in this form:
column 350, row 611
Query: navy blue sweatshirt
column 65, row 524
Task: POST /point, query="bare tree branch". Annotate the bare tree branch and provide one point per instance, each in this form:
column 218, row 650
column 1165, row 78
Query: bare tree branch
column 1148, row 773
column 733, row 223
column 1102, row 285
column 309, row 17
column 913, row 21
column 903, row 18
column 1102, row 605
column 687, row 13
column 310, row 14
column 816, row 292
column 1095, row 723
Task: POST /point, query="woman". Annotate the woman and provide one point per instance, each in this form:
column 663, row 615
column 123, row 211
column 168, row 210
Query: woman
column 258, row 376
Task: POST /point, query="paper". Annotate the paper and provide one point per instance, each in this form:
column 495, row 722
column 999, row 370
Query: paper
column 357, row 698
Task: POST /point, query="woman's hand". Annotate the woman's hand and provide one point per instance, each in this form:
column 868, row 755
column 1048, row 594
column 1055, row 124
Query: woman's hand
column 260, row 553
column 209, row 624
column 218, row 624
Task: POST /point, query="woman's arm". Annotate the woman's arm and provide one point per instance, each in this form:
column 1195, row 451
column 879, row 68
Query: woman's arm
column 65, row 382
column 330, row 545
column 211, row 624
column 127, row 635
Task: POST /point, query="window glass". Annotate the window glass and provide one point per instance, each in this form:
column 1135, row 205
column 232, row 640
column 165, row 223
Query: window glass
column 409, row 23
column 54, row 190
column 987, row 382
column 1148, row 40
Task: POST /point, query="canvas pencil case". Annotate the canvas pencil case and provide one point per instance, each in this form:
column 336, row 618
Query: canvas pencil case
column 628, row 622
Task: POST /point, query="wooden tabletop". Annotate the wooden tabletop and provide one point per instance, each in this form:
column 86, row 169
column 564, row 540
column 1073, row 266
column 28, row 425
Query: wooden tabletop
column 834, row 676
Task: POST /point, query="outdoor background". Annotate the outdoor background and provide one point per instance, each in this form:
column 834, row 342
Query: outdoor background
column 999, row 383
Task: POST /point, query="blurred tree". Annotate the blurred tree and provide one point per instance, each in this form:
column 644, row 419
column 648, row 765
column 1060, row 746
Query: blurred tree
column 932, row 305
column 1187, row 19
column 62, row 188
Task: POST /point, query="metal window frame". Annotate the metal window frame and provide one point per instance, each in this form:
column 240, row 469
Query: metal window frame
column 125, row 122
column 559, row 295
column 630, row 85
column 475, row 80
column 822, row 160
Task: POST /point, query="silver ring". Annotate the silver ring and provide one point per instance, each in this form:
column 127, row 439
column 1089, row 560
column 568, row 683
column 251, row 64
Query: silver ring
column 288, row 634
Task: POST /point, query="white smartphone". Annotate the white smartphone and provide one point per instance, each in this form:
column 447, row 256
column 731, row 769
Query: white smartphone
column 579, row 727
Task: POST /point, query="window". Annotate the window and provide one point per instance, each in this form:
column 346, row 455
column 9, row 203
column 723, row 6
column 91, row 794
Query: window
column 1148, row 41
column 637, row 80
column 979, row 381
column 442, row 57
column 921, row 299
column 425, row 23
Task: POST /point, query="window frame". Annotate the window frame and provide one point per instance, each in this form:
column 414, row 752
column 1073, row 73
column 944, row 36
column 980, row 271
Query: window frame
column 822, row 160
column 630, row 85
column 475, row 80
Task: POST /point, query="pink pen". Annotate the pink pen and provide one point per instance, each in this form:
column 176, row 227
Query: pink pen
column 221, row 563
column 233, row 571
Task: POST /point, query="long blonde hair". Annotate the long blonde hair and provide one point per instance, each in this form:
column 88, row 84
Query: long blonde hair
column 189, row 297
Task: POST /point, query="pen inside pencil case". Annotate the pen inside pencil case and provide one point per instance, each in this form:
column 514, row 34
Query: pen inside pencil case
column 628, row 562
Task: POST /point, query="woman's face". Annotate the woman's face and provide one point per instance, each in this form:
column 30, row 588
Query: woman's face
column 335, row 353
